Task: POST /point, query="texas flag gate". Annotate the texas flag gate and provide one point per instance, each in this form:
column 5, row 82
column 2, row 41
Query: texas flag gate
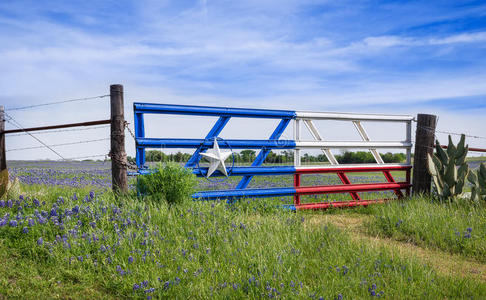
column 216, row 150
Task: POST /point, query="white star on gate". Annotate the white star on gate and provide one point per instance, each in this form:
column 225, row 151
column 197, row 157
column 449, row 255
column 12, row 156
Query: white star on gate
column 216, row 159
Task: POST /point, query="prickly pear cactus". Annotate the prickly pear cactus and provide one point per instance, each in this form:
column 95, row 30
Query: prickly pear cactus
column 478, row 184
column 449, row 169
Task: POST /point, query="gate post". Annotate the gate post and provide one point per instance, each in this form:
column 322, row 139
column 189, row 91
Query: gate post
column 3, row 158
column 117, row 151
column 424, row 144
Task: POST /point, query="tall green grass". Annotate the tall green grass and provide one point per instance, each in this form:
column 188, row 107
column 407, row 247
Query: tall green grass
column 96, row 245
column 457, row 227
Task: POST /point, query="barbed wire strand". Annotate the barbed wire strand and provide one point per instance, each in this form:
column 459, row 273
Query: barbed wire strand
column 89, row 156
column 459, row 134
column 57, row 102
column 57, row 145
column 17, row 124
column 62, row 130
column 452, row 133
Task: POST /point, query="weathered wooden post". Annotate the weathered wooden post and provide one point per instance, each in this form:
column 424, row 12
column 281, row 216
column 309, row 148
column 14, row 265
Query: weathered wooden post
column 424, row 144
column 117, row 151
column 3, row 158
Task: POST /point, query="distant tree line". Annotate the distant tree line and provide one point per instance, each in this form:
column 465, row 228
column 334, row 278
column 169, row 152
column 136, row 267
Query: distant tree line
column 247, row 156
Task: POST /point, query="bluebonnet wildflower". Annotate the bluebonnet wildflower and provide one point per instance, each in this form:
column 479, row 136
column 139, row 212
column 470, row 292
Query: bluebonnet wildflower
column 25, row 230
column 13, row 223
column 53, row 212
column 40, row 241
column 130, row 259
column 345, row 270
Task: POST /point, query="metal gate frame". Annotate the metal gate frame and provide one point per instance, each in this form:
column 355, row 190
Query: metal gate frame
column 274, row 142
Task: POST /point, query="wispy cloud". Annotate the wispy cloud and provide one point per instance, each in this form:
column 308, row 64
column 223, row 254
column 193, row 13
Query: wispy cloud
column 326, row 54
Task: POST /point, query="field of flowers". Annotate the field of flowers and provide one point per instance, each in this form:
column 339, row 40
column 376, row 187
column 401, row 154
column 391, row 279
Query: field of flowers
column 80, row 241
column 97, row 174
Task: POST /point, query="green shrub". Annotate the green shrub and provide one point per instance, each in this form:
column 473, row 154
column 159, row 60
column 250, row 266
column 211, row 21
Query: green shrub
column 168, row 182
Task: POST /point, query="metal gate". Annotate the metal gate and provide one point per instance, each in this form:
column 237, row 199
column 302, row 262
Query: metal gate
column 212, row 141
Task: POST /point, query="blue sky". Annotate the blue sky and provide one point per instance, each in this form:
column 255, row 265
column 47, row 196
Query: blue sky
column 401, row 57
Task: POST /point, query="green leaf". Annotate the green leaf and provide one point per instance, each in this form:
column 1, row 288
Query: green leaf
column 437, row 163
column 458, row 187
column 463, row 171
column 431, row 166
column 462, row 159
column 446, row 193
column 461, row 149
column 441, row 153
column 473, row 194
column 451, row 149
column 437, row 185
column 482, row 171
column 450, row 175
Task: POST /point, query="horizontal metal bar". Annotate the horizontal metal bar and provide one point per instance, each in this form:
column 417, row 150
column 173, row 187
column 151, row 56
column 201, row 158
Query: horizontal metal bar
column 250, row 193
column 337, row 204
column 307, row 190
column 352, row 144
column 156, row 108
column 470, row 149
column 242, row 171
column 351, row 116
column 195, row 143
column 346, row 188
column 90, row 123
column 289, row 170
column 352, row 168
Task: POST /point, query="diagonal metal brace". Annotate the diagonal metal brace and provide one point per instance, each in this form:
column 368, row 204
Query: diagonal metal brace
column 330, row 156
column 376, row 155
column 214, row 132
column 264, row 152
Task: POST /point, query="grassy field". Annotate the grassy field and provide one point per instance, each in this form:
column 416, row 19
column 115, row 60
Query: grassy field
column 455, row 228
column 64, row 235
column 76, row 243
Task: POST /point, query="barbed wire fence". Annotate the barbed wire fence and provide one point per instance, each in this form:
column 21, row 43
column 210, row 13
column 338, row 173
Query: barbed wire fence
column 119, row 159
column 9, row 119
column 435, row 131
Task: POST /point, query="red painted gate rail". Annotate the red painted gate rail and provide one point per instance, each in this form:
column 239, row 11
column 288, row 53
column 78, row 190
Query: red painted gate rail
column 348, row 187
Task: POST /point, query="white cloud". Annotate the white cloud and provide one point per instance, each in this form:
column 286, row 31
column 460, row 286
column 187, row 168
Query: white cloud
column 476, row 37
column 250, row 55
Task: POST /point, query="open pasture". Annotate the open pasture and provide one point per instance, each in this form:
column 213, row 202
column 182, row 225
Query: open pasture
column 65, row 240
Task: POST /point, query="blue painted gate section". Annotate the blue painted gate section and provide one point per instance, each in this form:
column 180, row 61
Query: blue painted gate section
column 201, row 145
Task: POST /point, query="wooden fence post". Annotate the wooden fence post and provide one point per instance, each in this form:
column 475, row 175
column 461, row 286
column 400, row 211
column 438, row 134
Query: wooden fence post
column 424, row 144
column 3, row 157
column 117, row 151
